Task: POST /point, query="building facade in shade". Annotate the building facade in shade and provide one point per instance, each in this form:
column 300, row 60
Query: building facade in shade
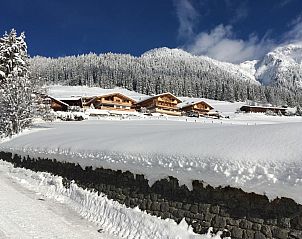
column 196, row 108
column 262, row 109
column 165, row 103
column 114, row 101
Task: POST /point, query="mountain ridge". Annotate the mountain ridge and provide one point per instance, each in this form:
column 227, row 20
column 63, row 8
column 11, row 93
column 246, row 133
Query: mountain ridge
column 276, row 67
column 282, row 66
column 181, row 73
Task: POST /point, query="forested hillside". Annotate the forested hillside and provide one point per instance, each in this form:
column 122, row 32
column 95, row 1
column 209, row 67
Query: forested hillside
column 162, row 70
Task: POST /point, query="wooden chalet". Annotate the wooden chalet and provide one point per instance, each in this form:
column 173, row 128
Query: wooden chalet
column 114, row 101
column 57, row 105
column 64, row 104
column 196, row 108
column 73, row 101
column 262, row 109
column 165, row 103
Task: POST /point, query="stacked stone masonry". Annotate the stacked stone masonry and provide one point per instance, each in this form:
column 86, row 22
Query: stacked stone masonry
column 237, row 213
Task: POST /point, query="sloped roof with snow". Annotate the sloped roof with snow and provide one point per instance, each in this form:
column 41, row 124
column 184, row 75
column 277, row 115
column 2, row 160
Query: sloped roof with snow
column 69, row 98
column 264, row 107
column 159, row 95
column 93, row 99
column 120, row 94
column 58, row 91
column 192, row 102
column 58, row 101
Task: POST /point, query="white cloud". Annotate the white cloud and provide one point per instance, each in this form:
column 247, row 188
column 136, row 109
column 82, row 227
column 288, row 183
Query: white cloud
column 187, row 16
column 295, row 33
column 221, row 44
column 283, row 3
column 238, row 10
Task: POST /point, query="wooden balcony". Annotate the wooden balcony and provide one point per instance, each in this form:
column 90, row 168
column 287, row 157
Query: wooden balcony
column 166, row 105
column 115, row 108
column 168, row 112
column 103, row 101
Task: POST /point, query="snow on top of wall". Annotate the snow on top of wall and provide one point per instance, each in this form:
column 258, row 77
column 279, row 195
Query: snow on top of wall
column 113, row 218
column 258, row 158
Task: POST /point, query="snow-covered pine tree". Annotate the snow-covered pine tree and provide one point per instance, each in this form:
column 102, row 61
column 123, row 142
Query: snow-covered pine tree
column 16, row 90
column 299, row 111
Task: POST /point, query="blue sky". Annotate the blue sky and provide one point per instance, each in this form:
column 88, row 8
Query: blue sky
column 228, row 30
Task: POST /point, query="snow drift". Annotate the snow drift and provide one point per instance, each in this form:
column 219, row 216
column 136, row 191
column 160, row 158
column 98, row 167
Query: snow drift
column 112, row 217
column 257, row 158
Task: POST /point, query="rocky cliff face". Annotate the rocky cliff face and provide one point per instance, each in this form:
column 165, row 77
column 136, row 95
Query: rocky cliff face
column 281, row 67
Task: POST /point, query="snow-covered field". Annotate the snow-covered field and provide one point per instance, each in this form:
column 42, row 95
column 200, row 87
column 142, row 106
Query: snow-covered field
column 261, row 157
column 256, row 152
column 37, row 205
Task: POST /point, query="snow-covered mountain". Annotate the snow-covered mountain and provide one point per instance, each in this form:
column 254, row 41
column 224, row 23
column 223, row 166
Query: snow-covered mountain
column 249, row 67
column 282, row 67
column 188, row 59
column 166, row 52
column 274, row 79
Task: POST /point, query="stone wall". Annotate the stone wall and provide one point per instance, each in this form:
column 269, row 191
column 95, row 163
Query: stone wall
column 237, row 213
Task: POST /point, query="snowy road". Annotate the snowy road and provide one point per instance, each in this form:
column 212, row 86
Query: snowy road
column 24, row 215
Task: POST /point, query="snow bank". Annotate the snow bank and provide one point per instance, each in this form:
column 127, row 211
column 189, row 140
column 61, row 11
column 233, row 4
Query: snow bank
column 110, row 216
column 258, row 158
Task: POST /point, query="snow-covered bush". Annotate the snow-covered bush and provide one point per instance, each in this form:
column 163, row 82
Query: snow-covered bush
column 299, row 111
column 70, row 116
column 270, row 113
column 75, row 109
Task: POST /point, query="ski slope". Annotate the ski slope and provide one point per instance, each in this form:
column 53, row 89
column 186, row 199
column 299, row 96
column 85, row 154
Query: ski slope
column 262, row 158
